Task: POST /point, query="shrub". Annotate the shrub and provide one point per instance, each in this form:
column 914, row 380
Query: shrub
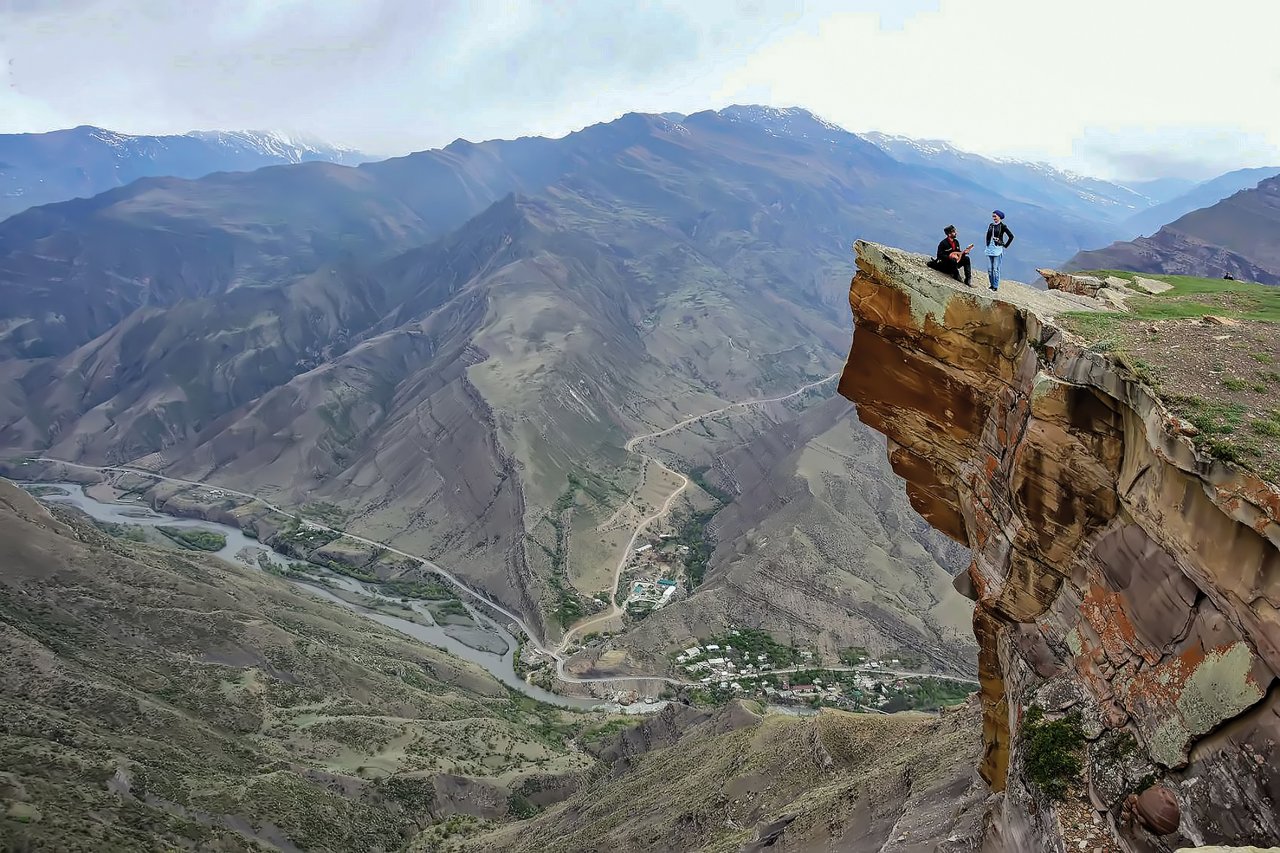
column 1051, row 751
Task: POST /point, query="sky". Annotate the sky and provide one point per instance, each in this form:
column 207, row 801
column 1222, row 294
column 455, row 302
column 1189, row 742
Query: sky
column 1121, row 89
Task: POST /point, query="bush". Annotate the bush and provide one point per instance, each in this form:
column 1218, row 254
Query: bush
column 1051, row 751
column 195, row 538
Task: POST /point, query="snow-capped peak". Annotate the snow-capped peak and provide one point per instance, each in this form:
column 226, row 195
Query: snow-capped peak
column 291, row 148
column 794, row 122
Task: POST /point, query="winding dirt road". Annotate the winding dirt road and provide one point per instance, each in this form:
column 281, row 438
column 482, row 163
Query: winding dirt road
column 614, row 610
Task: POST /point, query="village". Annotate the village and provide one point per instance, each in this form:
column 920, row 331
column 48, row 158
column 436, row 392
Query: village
column 749, row 662
column 746, row 662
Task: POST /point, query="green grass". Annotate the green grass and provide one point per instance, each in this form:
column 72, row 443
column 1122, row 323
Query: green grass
column 1190, row 298
column 1195, row 297
column 1225, row 430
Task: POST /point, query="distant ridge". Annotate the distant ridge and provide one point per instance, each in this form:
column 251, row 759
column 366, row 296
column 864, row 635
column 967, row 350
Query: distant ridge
column 1237, row 236
column 1201, row 195
column 42, row 168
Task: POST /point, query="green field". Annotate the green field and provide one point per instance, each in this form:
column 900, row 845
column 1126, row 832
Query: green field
column 1194, row 297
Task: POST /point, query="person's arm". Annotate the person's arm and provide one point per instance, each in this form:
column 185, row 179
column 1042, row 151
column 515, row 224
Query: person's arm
column 1008, row 237
column 943, row 250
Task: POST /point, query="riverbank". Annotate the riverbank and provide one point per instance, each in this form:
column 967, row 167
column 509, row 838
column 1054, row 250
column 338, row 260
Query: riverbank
column 485, row 642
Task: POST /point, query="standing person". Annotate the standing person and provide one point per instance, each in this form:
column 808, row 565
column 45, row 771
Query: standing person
column 999, row 238
column 950, row 258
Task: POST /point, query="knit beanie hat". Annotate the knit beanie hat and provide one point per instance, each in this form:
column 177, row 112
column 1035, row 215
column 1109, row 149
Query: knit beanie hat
column 999, row 213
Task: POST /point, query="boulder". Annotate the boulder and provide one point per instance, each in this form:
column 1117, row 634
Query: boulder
column 1157, row 808
column 1114, row 298
column 1150, row 285
column 1081, row 285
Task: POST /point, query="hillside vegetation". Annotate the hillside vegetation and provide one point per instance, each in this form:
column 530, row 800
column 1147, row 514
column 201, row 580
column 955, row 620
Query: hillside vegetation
column 739, row 781
column 153, row 699
column 1221, row 375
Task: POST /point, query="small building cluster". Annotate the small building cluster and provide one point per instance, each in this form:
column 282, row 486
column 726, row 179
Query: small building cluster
column 650, row 595
column 653, row 576
column 749, row 662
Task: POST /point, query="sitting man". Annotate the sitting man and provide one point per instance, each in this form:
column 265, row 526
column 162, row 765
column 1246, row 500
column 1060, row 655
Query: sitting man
column 951, row 258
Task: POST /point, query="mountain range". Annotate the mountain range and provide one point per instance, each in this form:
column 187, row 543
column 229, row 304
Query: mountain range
column 40, row 168
column 444, row 347
column 1025, row 182
column 415, row 343
column 507, row 357
column 1204, row 194
column 1237, row 235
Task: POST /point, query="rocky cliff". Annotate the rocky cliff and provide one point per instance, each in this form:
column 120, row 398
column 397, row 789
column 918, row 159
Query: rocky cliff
column 1126, row 584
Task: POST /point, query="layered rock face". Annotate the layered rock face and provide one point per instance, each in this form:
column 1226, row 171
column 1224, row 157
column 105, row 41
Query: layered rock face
column 1117, row 572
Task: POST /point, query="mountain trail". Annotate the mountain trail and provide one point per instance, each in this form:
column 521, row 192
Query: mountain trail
column 614, row 610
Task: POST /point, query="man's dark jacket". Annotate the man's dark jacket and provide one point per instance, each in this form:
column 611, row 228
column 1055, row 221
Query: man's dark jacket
column 945, row 248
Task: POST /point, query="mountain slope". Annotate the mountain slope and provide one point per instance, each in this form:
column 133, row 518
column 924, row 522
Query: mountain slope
column 1204, row 194
column 441, row 359
column 1237, row 236
column 818, row 547
column 41, row 168
column 152, row 697
column 737, row 781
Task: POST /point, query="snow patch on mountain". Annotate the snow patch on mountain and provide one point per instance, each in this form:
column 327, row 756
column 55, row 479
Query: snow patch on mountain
column 793, row 122
column 289, row 148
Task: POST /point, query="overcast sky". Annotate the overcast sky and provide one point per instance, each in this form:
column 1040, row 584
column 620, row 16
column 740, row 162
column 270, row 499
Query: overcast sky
column 1116, row 88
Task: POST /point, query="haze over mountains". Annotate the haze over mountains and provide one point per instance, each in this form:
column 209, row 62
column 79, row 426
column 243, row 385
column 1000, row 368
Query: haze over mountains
column 1205, row 194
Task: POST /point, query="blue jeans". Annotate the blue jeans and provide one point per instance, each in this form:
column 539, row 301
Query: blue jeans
column 995, row 270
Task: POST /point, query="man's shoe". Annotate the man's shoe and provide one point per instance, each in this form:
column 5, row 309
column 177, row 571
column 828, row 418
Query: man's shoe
column 993, row 287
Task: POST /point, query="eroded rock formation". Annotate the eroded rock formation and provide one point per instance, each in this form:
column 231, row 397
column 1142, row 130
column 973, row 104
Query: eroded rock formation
column 1117, row 572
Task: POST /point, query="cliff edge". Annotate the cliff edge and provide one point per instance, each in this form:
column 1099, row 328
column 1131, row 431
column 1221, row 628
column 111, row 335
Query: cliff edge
column 1126, row 582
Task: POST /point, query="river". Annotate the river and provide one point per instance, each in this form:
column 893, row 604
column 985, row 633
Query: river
column 486, row 636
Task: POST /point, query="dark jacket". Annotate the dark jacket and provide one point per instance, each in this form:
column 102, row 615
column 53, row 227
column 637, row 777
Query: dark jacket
column 1000, row 234
column 946, row 247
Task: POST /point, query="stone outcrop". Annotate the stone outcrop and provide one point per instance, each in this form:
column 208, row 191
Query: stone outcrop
column 1080, row 285
column 1112, row 289
column 1117, row 572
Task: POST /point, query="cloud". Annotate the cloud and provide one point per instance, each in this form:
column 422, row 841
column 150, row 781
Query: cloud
column 1031, row 77
column 1193, row 152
